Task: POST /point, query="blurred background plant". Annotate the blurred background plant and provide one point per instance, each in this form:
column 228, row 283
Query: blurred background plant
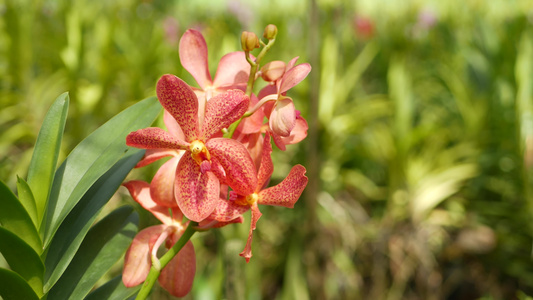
column 420, row 147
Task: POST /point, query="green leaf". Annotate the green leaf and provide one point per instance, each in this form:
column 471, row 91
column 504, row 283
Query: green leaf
column 92, row 158
column 44, row 159
column 74, row 228
column 105, row 243
column 27, row 200
column 14, row 287
column 22, row 259
column 113, row 290
column 14, row 218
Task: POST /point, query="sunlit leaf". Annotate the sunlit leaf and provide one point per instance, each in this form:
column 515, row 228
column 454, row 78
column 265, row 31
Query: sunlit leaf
column 70, row 234
column 105, row 243
column 14, row 218
column 92, row 158
column 14, row 287
column 27, row 200
column 44, row 160
column 22, row 259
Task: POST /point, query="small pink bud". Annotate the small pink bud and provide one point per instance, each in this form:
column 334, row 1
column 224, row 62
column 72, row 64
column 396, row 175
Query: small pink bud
column 249, row 41
column 273, row 70
column 270, row 32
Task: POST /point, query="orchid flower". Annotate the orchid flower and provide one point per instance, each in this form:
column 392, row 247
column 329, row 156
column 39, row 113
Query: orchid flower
column 207, row 159
column 232, row 73
column 177, row 277
column 281, row 112
column 284, row 194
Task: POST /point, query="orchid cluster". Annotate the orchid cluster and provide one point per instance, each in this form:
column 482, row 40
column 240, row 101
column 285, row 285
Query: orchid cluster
column 219, row 139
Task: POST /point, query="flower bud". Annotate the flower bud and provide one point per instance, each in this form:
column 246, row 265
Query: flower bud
column 270, row 31
column 273, row 70
column 249, row 41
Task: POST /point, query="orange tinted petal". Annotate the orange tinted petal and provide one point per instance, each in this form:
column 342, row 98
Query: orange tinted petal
column 193, row 57
column 177, row 277
column 288, row 191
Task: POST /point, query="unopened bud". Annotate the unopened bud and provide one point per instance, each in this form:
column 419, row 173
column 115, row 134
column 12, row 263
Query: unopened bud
column 270, row 31
column 273, row 70
column 249, row 41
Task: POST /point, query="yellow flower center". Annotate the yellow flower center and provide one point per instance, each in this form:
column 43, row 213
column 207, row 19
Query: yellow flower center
column 252, row 198
column 199, row 152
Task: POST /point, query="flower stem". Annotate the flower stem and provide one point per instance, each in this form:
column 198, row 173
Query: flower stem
column 254, row 66
column 164, row 260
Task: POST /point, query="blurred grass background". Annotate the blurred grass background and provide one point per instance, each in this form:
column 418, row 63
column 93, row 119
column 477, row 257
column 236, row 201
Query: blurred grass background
column 420, row 147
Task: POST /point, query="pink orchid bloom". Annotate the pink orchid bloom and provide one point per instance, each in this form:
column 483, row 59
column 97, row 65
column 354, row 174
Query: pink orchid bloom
column 208, row 159
column 284, row 194
column 281, row 112
column 232, row 73
column 178, row 275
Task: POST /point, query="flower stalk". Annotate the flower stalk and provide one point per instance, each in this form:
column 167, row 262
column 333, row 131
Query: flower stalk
column 164, row 260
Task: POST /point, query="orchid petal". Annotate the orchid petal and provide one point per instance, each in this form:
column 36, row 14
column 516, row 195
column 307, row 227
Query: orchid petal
column 227, row 210
column 137, row 262
column 292, row 62
column 278, row 140
column 210, row 223
column 178, row 275
column 288, row 191
column 267, row 167
column 267, row 90
column 162, row 186
column 172, row 126
column 232, row 69
column 222, row 110
column 181, row 102
column 236, row 161
column 152, row 155
column 193, row 57
column 154, row 138
column 196, row 192
column 294, row 76
column 140, row 192
column 256, row 214
column 298, row 133
column 283, row 117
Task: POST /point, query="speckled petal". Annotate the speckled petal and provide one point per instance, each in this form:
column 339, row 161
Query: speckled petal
column 181, row 102
column 288, row 191
column 256, row 214
column 172, row 126
column 278, row 140
column 197, row 193
column 283, row 117
column 227, row 210
column 294, row 76
column 137, row 262
column 233, row 69
column 177, row 277
column 236, row 161
column 193, row 57
column 140, row 192
column 222, row 110
column 162, row 186
column 267, row 167
column 154, row 138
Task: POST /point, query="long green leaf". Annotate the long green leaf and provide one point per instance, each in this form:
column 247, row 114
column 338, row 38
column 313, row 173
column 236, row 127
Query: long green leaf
column 22, row 259
column 92, row 158
column 74, row 228
column 44, row 160
column 14, row 218
column 113, row 290
column 105, row 243
column 27, row 200
column 14, row 287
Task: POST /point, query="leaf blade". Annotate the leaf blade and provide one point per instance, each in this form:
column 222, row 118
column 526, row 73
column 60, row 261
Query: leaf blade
column 92, row 158
column 45, row 154
column 14, row 287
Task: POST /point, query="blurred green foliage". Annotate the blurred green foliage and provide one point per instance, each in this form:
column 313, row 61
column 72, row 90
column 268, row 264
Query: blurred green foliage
column 420, row 148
